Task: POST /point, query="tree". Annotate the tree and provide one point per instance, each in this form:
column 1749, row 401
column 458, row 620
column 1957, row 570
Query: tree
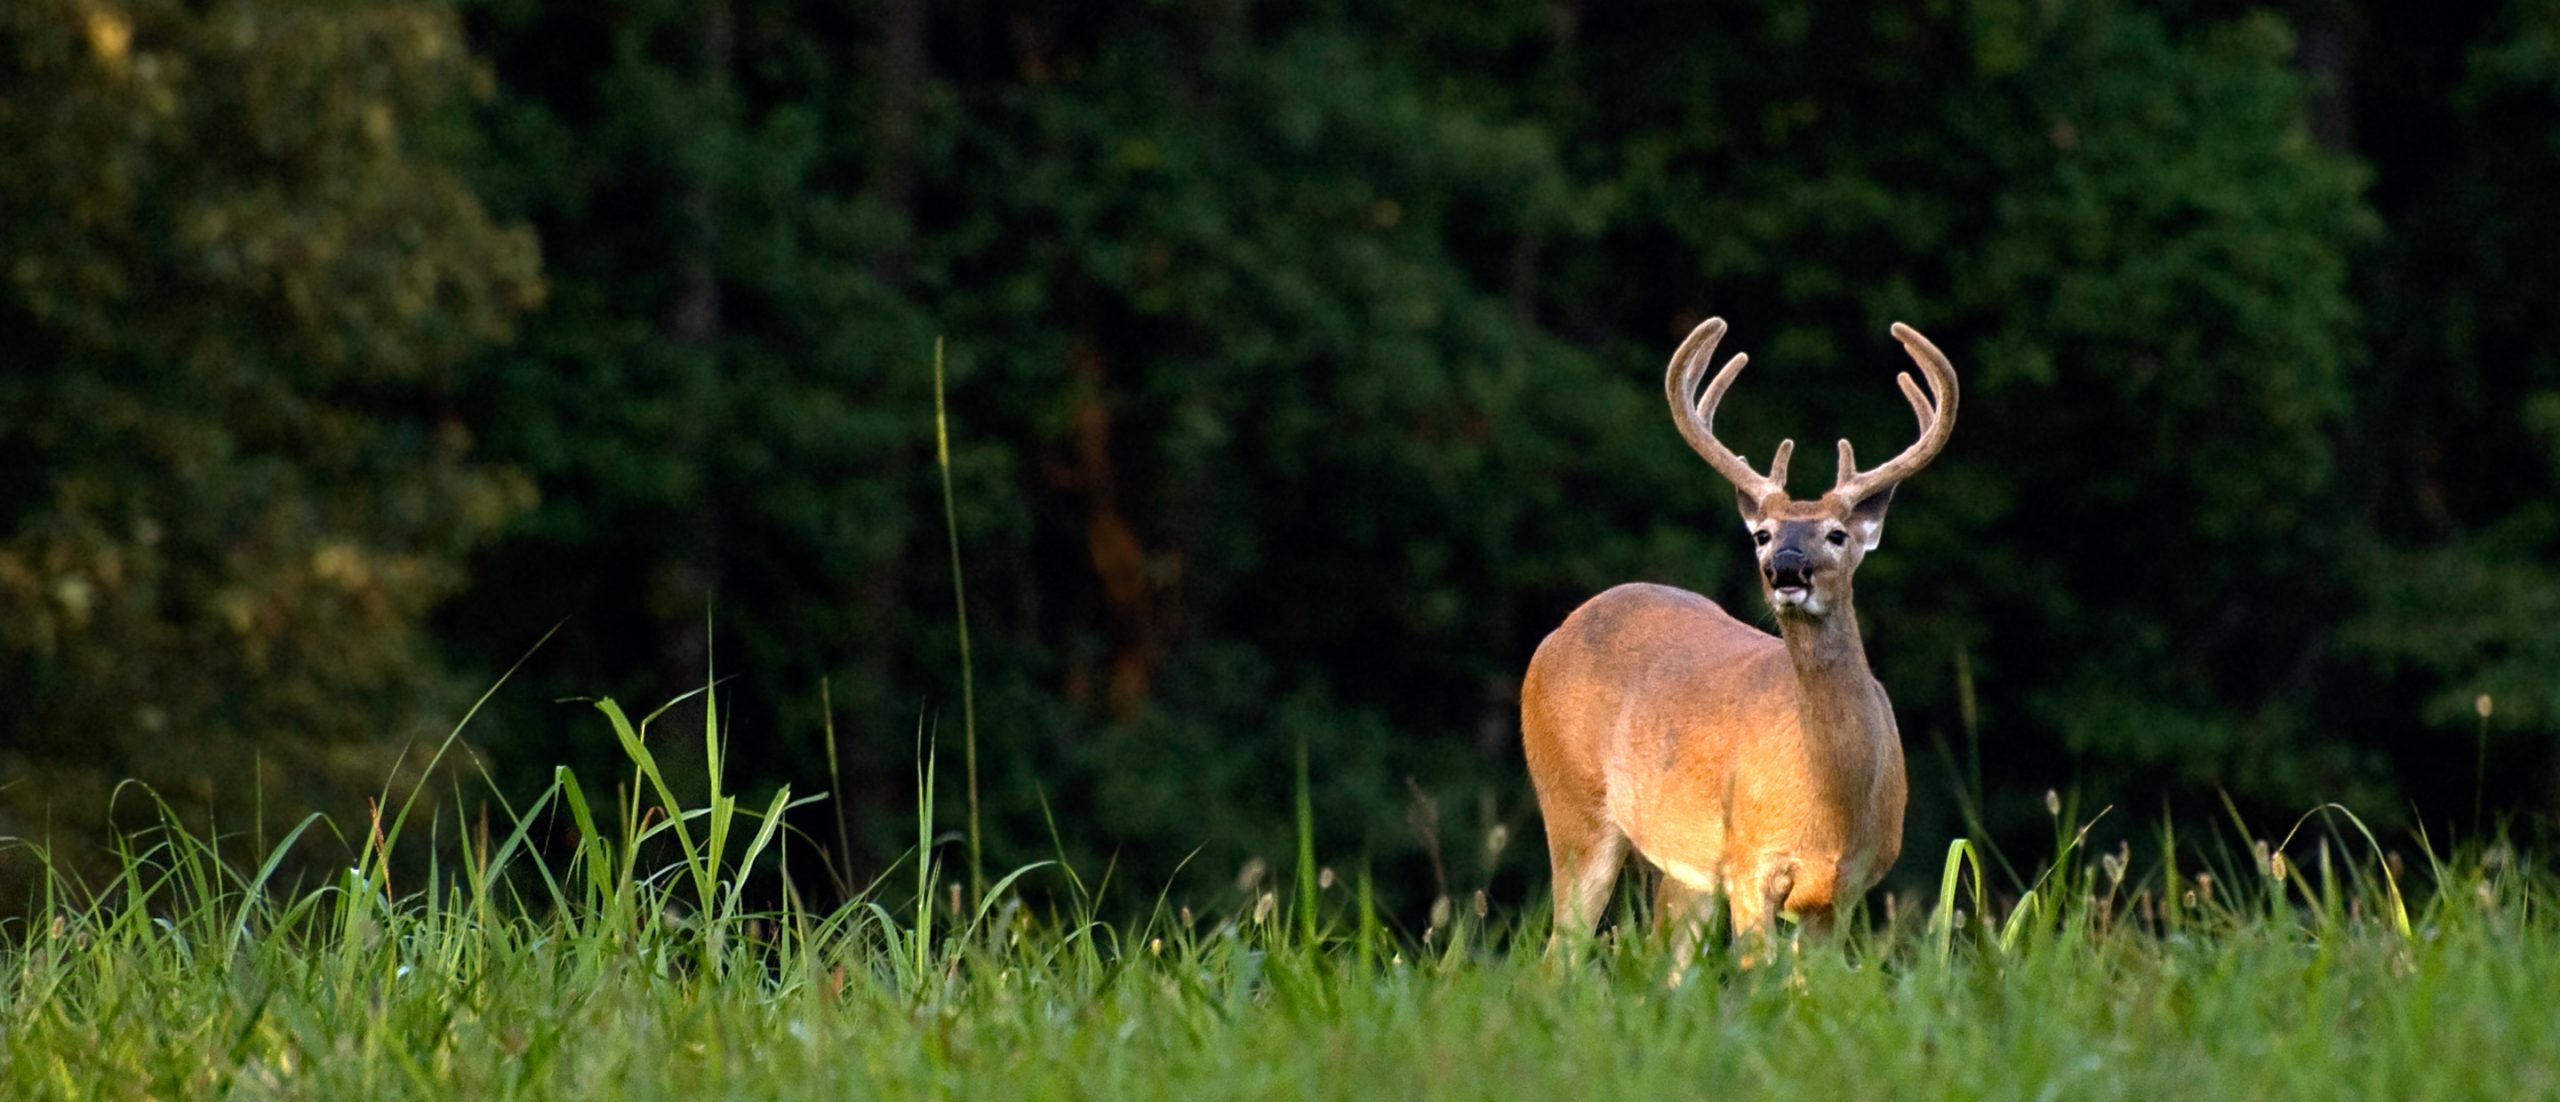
column 1306, row 366
column 240, row 275
column 2460, row 445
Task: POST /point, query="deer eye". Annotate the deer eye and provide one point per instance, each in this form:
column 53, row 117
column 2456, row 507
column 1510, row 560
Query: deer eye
column 1761, row 537
column 1839, row 537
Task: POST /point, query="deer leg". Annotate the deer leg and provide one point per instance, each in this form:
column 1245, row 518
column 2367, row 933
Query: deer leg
column 1755, row 901
column 1816, row 924
column 1584, row 860
column 1680, row 912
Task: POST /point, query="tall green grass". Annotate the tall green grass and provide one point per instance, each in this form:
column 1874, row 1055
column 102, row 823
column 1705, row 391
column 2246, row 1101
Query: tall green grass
column 607, row 943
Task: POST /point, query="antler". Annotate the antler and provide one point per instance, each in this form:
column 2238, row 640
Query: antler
column 1937, row 421
column 1697, row 421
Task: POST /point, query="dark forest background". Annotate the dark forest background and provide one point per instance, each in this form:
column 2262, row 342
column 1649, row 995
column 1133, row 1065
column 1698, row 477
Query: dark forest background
column 1304, row 369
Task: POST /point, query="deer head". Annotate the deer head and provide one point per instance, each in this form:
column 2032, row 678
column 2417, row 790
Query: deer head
column 1808, row 550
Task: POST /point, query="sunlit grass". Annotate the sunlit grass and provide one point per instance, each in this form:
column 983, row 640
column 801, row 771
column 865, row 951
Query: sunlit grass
column 632, row 966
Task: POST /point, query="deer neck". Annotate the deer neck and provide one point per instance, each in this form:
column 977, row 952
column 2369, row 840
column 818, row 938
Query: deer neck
column 1835, row 694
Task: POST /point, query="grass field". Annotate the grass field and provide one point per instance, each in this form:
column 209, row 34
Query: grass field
column 604, row 974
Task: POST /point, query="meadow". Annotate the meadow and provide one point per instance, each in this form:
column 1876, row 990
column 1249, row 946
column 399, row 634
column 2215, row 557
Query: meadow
column 1305, row 371
column 2320, row 963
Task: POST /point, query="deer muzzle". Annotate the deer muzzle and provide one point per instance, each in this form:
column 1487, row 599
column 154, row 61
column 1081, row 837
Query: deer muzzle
column 1788, row 569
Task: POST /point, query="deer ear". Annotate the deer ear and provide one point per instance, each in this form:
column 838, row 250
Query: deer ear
column 1866, row 518
column 1749, row 508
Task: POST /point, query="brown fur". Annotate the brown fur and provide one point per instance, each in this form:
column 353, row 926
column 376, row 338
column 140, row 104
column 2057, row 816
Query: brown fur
column 1765, row 768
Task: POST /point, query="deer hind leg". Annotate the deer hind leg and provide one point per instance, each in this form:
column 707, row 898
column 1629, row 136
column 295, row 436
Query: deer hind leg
column 1583, row 857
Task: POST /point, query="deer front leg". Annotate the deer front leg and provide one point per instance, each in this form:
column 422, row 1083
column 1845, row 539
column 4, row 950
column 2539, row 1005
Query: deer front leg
column 1680, row 914
column 1583, row 858
column 1755, row 901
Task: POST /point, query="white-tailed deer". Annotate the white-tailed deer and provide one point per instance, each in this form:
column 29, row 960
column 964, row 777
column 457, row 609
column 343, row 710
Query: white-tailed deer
column 1764, row 768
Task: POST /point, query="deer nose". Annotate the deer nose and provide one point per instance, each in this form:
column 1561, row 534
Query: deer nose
column 1787, row 569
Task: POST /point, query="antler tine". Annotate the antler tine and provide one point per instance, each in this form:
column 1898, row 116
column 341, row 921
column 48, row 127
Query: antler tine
column 1696, row 421
column 1937, row 421
column 1778, row 465
column 1920, row 408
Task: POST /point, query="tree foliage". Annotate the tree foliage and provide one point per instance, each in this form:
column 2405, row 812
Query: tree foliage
column 1305, row 363
column 2464, row 450
column 233, row 479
